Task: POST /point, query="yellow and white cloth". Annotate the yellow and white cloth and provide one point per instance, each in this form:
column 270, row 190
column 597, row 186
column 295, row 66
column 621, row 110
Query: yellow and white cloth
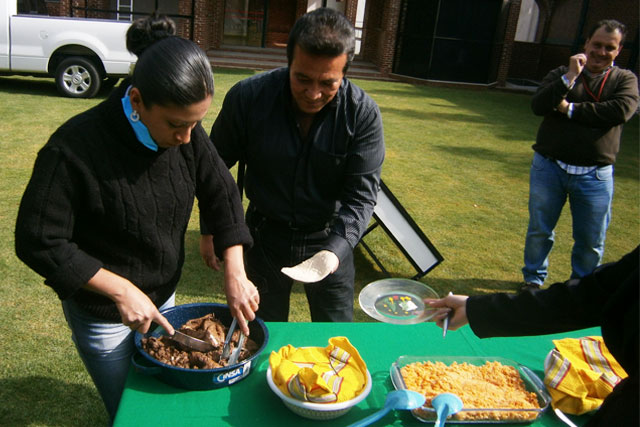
column 580, row 373
column 335, row 373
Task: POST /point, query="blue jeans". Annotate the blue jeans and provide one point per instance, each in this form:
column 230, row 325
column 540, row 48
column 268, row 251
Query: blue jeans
column 105, row 349
column 276, row 246
column 590, row 196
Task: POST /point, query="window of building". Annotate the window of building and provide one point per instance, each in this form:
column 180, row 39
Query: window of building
column 527, row 21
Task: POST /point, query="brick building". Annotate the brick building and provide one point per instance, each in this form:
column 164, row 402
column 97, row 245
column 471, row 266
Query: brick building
column 560, row 31
column 468, row 41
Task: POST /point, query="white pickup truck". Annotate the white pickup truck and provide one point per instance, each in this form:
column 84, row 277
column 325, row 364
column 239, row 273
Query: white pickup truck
column 83, row 55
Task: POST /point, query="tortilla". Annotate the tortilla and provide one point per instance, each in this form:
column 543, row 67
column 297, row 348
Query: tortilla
column 313, row 269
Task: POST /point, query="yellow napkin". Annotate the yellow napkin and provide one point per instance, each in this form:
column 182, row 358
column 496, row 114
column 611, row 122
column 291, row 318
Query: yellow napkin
column 335, row 373
column 580, row 373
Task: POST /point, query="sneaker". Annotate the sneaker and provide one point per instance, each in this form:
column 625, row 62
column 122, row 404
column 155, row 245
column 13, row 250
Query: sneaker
column 529, row 287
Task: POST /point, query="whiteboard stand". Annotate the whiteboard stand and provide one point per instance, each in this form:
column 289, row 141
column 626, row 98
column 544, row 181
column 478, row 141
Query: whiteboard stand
column 405, row 233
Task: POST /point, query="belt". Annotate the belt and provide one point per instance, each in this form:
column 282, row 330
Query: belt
column 287, row 225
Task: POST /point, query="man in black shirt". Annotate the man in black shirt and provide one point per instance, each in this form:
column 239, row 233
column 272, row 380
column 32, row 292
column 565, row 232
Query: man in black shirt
column 313, row 146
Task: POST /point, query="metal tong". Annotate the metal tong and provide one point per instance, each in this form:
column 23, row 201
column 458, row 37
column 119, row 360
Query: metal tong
column 233, row 358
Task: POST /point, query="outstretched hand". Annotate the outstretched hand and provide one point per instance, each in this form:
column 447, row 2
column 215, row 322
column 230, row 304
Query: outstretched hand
column 136, row 309
column 243, row 297
column 452, row 306
column 243, row 300
column 138, row 312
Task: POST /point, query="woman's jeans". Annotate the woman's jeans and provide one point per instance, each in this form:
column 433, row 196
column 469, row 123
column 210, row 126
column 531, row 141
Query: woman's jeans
column 590, row 197
column 105, row 349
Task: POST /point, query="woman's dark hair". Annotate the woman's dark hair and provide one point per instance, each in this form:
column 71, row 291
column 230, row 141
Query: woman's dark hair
column 324, row 32
column 170, row 69
column 610, row 26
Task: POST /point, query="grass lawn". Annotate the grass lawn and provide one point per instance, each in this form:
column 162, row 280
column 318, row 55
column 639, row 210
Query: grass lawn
column 457, row 159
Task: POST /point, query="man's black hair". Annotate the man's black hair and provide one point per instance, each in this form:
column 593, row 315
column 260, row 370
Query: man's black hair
column 324, row 32
column 610, row 25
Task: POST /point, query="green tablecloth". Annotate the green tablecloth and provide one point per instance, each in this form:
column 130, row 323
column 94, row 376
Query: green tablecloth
column 250, row 402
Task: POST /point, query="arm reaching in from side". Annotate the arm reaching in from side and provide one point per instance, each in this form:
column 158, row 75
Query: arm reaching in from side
column 451, row 303
column 242, row 296
column 136, row 309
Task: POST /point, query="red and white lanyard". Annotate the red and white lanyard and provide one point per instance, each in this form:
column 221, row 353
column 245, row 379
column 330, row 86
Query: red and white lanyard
column 604, row 80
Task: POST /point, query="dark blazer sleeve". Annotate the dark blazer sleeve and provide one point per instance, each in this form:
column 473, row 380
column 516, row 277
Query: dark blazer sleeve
column 576, row 304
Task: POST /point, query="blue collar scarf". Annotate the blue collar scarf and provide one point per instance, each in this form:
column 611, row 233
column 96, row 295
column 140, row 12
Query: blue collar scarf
column 141, row 131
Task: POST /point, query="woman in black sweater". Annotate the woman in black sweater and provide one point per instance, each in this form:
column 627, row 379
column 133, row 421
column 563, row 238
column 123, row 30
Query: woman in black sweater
column 608, row 298
column 104, row 216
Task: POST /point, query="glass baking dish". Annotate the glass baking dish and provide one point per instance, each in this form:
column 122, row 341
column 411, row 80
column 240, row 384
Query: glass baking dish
column 479, row 415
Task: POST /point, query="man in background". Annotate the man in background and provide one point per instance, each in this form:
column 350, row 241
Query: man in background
column 584, row 105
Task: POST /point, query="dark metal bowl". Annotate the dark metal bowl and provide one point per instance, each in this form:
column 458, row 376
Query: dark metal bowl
column 198, row 379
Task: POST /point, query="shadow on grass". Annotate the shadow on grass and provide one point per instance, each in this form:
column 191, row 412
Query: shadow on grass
column 37, row 400
column 436, row 117
column 424, row 91
column 37, row 87
column 516, row 164
column 368, row 272
column 25, row 86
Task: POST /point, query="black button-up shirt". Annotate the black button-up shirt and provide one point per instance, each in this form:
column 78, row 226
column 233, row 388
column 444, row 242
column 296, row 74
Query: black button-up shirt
column 330, row 176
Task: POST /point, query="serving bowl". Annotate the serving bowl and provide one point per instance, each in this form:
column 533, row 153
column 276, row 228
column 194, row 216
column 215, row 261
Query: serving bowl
column 198, row 379
column 318, row 411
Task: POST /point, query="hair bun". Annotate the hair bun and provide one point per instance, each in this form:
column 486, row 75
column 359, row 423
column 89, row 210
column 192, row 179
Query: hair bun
column 143, row 32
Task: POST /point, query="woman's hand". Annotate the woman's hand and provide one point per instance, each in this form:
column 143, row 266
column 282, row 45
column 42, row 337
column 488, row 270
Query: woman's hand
column 242, row 295
column 208, row 254
column 452, row 306
column 137, row 311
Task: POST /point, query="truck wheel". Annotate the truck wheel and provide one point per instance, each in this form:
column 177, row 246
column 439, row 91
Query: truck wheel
column 77, row 77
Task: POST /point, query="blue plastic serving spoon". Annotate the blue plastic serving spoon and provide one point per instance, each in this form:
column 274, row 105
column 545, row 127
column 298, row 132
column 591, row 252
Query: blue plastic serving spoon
column 398, row 399
column 445, row 404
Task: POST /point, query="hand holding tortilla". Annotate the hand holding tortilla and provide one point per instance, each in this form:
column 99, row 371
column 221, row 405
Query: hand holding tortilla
column 313, row 269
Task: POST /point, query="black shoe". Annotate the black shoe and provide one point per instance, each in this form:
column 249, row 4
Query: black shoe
column 529, row 287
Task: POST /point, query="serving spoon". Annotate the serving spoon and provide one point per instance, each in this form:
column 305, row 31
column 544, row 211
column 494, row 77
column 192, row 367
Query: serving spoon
column 445, row 404
column 398, row 399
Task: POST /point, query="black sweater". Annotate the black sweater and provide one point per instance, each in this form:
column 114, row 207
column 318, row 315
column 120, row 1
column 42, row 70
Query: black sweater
column 592, row 136
column 99, row 198
column 608, row 298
